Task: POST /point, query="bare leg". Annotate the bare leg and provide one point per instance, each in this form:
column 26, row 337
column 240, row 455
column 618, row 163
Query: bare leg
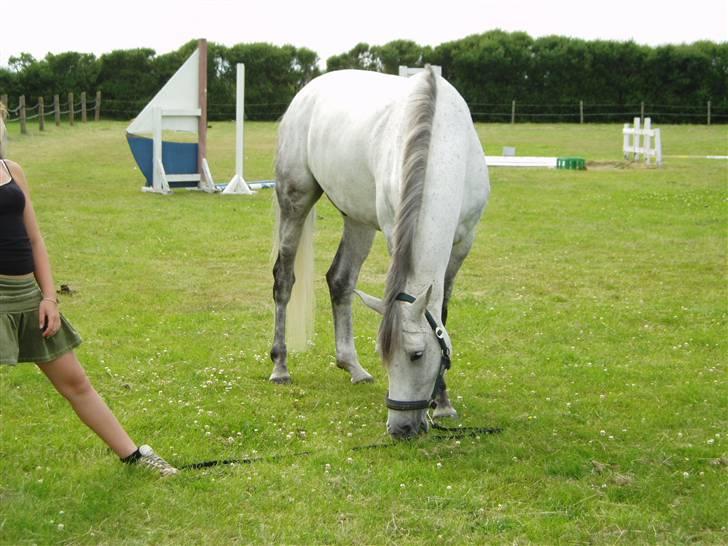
column 341, row 277
column 294, row 207
column 443, row 406
column 70, row 379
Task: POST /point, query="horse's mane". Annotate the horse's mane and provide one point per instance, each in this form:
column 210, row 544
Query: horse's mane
column 420, row 116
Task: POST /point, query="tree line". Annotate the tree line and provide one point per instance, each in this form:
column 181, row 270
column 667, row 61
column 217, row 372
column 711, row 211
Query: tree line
column 546, row 76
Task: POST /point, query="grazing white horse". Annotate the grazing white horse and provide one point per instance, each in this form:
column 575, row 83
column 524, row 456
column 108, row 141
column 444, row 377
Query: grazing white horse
column 398, row 155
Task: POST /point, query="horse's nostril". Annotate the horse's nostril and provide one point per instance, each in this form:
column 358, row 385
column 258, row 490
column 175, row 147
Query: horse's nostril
column 406, row 431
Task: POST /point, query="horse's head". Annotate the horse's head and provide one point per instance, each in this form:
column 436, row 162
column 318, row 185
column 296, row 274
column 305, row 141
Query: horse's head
column 417, row 358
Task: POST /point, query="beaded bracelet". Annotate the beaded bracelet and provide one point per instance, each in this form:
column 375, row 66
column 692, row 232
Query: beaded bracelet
column 51, row 299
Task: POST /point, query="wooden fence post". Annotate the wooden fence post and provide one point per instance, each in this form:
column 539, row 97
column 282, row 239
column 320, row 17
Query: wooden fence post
column 41, row 114
column 57, row 109
column 202, row 102
column 71, row 113
column 581, row 111
column 642, row 111
column 83, row 106
column 97, row 106
column 513, row 112
column 708, row 112
column 23, row 126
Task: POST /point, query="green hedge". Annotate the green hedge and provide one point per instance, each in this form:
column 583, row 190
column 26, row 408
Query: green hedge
column 547, row 77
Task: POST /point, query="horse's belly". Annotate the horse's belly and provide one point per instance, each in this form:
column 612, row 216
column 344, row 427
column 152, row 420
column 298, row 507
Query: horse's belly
column 353, row 194
column 341, row 169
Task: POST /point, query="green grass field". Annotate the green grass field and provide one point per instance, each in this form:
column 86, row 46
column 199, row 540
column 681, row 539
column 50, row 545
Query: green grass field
column 589, row 322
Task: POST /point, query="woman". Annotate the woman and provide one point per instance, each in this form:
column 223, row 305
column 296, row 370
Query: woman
column 31, row 327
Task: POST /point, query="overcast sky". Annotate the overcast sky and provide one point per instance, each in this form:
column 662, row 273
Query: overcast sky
column 333, row 27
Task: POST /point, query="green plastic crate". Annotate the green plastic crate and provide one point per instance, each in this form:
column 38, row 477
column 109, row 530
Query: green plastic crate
column 575, row 163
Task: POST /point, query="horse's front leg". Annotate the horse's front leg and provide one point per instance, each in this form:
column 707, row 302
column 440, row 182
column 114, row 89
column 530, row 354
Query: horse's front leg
column 443, row 406
column 341, row 277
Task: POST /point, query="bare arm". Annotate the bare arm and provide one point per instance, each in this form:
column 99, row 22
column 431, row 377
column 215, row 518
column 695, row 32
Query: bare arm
column 49, row 316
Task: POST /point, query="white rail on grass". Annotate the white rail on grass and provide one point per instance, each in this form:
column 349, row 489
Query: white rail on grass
column 520, row 161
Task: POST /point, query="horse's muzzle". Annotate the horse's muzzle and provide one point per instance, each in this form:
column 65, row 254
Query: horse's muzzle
column 406, row 425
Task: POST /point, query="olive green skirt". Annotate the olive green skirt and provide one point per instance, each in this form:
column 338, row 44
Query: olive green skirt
column 21, row 339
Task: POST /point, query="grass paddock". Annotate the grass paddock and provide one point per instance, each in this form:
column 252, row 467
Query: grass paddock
column 589, row 322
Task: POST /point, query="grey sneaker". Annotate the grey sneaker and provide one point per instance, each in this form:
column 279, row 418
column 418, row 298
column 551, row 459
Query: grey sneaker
column 154, row 462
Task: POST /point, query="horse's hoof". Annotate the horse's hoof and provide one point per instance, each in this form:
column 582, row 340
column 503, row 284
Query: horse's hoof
column 445, row 413
column 363, row 378
column 358, row 374
column 280, row 379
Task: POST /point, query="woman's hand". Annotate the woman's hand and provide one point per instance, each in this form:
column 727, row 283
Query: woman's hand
column 50, row 318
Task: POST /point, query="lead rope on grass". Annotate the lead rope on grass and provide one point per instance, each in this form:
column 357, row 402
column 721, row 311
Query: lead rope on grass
column 450, row 433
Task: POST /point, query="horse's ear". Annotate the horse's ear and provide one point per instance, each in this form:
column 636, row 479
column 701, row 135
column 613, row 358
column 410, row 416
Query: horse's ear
column 370, row 301
column 421, row 300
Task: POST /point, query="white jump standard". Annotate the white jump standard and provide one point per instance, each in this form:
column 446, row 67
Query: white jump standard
column 238, row 185
column 647, row 148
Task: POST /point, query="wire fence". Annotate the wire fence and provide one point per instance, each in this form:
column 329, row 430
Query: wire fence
column 216, row 111
column 583, row 112
column 501, row 112
column 482, row 112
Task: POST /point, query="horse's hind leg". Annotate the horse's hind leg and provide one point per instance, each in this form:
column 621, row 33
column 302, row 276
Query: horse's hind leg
column 341, row 277
column 295, row 200
column 443, row 406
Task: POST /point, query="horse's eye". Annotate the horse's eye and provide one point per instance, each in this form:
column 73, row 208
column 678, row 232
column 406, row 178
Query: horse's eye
column 416, row 355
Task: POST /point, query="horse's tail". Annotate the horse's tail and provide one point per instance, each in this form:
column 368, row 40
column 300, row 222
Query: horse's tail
column 300, row 314
column 420, row 121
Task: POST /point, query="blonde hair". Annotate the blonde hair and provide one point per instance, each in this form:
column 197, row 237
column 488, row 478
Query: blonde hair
column 3, row 131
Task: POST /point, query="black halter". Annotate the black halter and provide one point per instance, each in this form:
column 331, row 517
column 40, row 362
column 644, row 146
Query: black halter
column 410, row 405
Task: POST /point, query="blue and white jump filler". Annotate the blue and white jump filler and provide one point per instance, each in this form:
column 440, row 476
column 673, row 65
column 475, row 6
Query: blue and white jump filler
column 181, row 107
column 394, row 154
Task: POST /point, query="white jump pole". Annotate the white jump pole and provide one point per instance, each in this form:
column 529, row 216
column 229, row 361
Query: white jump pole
column 238, row 184
column 239, row 120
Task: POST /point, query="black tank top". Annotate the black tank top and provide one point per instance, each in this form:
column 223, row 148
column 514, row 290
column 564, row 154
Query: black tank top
column 16, row 254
